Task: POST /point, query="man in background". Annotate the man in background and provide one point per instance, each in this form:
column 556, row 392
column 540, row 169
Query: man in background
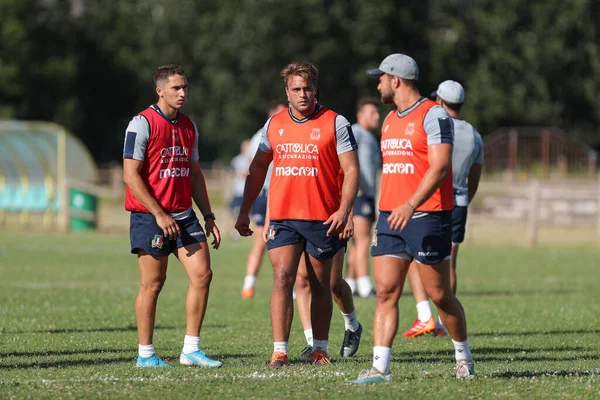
column 369, row 156
column 239, row 166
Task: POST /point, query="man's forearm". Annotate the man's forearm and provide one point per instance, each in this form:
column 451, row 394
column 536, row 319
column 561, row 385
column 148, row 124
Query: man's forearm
column 254, row 182
column 472, row 191
column 139, row 189
column 349, row 190
column 431, row 181
column 200, row 194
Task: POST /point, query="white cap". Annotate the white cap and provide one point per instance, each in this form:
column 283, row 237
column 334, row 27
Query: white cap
column 451, row 92
column 397, row 64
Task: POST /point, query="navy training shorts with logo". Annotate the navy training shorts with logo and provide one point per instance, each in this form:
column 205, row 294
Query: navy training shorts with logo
column 426, row 237
column 145, row 234
column 312, row 233
column 365, row 207
column 258, row 212
column 459, row 223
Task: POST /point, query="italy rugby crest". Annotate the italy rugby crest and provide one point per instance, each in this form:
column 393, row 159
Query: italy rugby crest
column 157, row 242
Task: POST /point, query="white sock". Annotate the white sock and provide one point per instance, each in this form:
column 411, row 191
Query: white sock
column 146, row 351
column 249, row 282
column 320, row 345
column 281, row 347
column 423, row 311
column 191, row 344
column 352, row 283
column 308, row 336
column 462, row 350
column 351, row 321
column 364, row 286
column 381, row 358
column 440, row 323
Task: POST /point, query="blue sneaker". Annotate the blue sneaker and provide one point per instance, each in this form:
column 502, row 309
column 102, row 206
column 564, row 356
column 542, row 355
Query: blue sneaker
column 372, row 375
column 151, row 362
column 199, row 358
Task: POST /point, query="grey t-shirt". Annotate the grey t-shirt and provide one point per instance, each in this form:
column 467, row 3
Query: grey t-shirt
column 140, row 127
column 437, row 123
column 468, row 150
column 343, row 133
column 240, row 164
column 136, row 149
column 369, row 158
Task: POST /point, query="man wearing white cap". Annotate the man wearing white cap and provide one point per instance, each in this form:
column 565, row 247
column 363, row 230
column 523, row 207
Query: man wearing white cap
column 467, row 163
column 415, row 213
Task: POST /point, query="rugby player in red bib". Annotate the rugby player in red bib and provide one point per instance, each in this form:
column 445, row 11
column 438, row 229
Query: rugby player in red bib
column 162, row 175
column 308, row 144
column 415, row 220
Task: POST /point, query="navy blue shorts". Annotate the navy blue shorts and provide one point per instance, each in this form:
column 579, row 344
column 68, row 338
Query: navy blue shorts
column 425, row 238
column 145, row 234
column 235, row 205
column 258, row 212
column 459, row 223
column 312, row 233
column 365, row 207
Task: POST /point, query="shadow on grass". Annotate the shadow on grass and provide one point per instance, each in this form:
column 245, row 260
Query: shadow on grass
column 67, row 363
column 482, row 354
column 65, row 352
column 538, row 374
column 532, row 333
column 130, row 328
column 490, row 358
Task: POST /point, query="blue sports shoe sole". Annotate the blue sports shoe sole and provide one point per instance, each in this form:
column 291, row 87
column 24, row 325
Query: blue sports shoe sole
column 371, row 376
column 199, row 358
column 151, row 362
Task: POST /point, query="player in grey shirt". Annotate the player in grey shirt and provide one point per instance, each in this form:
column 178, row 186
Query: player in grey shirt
column 369, row 157
column 467, row 163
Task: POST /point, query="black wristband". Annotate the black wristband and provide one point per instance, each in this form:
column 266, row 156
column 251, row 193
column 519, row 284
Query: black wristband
column 411, row 206
column 211, row 216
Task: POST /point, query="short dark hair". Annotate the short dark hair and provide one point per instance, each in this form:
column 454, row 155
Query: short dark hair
column 301, row 68
column 164, row 72
column 453, row 106
column 410, row 83
column 366, row 101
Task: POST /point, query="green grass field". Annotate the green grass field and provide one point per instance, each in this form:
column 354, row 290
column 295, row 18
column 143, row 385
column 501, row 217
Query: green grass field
column 67, row 328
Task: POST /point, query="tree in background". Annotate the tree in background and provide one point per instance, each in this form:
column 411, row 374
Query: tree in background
column 88, row 65
column 522, row 62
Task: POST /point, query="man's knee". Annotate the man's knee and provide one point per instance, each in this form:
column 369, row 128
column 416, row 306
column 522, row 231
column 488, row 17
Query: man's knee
column 202, row 278
column 440, row 297
column 302, row 282
column 283, row 278
column 388, row 292
column 153, row 286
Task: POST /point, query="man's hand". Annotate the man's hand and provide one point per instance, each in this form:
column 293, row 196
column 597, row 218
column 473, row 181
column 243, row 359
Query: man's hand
column 212, row 228
column 348, row 231
column 338, row 222
column 265, row 230
column 400, row 217
column 243, row 225
column 169, row 226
